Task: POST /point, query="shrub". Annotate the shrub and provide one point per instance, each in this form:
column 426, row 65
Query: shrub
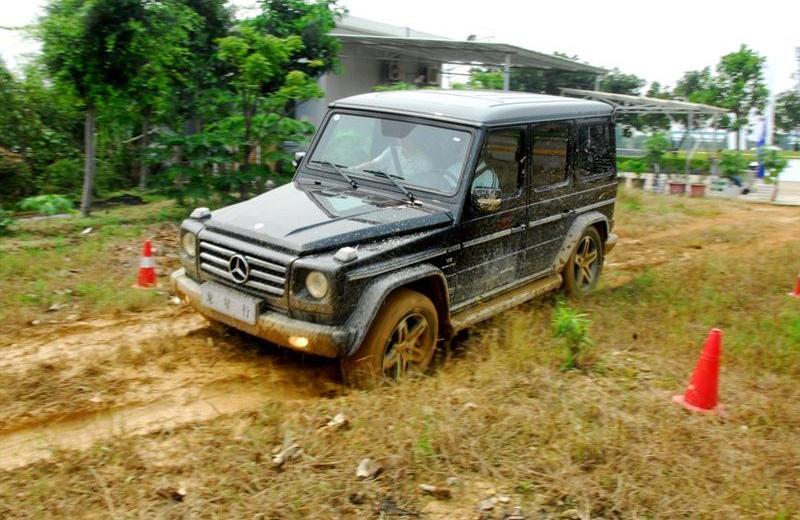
column 572, row 328
column 47, row 204
column 732, row 164
column 64, row 176
column 655, row 147
column 5, row 221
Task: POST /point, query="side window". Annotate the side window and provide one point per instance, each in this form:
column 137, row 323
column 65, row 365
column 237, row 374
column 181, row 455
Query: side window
column 594, row 155
column 549, row 154
column 500, row 165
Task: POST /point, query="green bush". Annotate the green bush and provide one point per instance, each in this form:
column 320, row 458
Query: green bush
column 732, row 163
column 655, row 147
column 47, row 204
column 64, row 176
column 572, row 328
column 5, row 221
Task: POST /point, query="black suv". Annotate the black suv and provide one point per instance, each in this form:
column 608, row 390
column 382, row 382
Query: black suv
column 413, row 215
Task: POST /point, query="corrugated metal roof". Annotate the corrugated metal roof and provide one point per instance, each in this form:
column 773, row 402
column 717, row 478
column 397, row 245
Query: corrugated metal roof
column 466, row 52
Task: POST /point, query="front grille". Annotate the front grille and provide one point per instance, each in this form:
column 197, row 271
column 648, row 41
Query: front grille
column 267, row 268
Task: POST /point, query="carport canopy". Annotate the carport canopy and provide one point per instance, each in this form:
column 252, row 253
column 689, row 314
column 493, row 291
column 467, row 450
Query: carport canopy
column 626, row 104
column 465, row 52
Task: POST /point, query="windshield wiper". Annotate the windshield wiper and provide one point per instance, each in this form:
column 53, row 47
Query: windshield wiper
column 338, row 170
column 392, row 178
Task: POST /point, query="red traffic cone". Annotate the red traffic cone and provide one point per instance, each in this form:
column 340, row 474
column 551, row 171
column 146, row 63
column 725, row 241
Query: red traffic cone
column 796, row 292
column 147, row 267
column 701, row 394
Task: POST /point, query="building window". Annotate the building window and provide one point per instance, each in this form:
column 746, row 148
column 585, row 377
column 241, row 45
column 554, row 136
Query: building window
column 595, row 155
column 549, row 154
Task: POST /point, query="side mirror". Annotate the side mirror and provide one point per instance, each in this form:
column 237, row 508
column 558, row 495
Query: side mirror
column 486, row 200
column 298, row 158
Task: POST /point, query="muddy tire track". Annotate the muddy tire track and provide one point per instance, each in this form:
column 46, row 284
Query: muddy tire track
column 174, row 367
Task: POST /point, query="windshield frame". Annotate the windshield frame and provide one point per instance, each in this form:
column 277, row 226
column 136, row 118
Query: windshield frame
column 386, row 184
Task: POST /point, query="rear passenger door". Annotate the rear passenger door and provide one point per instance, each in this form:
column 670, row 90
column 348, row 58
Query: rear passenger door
column 548, row 189
column 490, row 253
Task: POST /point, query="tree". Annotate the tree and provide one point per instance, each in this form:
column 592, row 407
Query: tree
column 740, row 80
column 618, row 82
column 550, row 81
column 655, row 121
column 655, row 147
column 263, row 91
column 787, row 112
column 92, row 47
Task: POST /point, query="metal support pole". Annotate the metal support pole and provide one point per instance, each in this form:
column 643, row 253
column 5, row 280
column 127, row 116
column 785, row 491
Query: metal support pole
column 689, row 136
column 507, row 73
column 597, row 82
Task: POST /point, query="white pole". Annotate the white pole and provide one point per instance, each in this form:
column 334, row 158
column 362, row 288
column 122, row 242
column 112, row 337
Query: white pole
column 507, row 73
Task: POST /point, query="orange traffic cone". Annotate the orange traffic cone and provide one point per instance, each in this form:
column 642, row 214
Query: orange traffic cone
column 796, row 292
column 701, row 394
column 147, row 267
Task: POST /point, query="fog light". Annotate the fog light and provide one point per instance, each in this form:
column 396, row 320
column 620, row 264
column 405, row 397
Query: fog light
column 298, row 341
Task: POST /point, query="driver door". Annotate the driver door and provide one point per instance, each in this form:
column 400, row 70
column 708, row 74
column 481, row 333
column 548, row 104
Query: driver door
column 492, row 232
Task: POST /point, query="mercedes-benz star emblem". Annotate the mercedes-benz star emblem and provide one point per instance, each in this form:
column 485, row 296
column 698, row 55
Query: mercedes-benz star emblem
column 239, row 268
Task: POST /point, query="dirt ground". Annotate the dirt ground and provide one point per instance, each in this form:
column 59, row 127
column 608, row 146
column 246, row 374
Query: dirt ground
column 70, row 386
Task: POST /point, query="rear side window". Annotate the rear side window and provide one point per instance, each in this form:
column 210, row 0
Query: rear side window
column 549, row 154
column 594, row 150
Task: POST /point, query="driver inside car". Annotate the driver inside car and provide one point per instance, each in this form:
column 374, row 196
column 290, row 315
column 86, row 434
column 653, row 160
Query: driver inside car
column 411, row 159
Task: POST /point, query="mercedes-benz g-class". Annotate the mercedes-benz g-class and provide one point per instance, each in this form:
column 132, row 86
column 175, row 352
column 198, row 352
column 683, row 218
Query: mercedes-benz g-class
column 413, row 215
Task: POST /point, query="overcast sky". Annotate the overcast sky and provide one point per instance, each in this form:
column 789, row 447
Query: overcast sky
column 658, row 44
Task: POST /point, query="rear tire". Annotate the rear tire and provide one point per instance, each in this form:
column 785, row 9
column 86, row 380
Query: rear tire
column 583, row 268
column 401, row 342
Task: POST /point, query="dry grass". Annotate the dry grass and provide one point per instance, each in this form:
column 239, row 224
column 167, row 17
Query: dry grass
column 50, row 264
column 602, row 442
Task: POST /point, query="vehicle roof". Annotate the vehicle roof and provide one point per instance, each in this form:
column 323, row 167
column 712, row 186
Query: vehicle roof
column 476, row 107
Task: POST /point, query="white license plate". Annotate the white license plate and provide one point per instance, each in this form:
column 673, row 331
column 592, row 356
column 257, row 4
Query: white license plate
column 232, row 303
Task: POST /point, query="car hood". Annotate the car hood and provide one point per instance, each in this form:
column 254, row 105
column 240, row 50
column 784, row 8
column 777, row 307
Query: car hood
column 308, row 218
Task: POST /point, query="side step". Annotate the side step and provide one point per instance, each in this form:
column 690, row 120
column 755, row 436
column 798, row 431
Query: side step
column 482, row 310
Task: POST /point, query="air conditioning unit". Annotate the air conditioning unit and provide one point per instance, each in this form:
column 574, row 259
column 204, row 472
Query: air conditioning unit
column 392, row 71
column 433, row 75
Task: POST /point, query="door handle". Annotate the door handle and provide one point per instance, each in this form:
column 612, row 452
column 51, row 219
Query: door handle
column 519, row 229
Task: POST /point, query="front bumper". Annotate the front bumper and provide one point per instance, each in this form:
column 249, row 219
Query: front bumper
column 322, row 340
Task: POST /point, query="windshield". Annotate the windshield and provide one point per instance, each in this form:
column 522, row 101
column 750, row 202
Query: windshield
column 417, row 155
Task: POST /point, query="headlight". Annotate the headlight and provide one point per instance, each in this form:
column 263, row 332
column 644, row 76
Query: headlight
column 189, row 242
column 317, row 284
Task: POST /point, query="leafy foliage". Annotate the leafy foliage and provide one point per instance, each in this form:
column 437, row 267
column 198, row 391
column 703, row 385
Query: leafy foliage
column 787, row 111
column 572, row 328
column 655, row 147
column 6, row 221
column 732, row 163
column 46, row 204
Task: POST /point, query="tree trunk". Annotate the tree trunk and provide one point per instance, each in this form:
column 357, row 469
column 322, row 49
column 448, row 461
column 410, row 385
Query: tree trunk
column 144, row 169
column 89, row 160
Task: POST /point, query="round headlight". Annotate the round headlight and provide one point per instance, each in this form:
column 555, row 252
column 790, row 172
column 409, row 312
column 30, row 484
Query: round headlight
column 189, row 241
column 317, row 284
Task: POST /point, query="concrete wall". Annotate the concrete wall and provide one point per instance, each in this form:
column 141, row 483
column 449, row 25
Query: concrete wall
column 358, row 76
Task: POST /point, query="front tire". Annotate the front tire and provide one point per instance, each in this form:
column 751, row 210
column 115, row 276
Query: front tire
column 583, row 268
column 401, row 342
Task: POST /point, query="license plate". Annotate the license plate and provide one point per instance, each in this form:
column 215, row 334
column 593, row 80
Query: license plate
column 229, row 302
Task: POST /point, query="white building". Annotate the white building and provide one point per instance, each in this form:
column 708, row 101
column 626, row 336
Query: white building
column 375, row 53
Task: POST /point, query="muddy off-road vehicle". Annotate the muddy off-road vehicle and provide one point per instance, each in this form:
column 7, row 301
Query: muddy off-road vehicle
column 413, row 215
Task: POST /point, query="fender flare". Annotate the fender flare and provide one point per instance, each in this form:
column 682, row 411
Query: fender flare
column 375, row 294
column 572, row 236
